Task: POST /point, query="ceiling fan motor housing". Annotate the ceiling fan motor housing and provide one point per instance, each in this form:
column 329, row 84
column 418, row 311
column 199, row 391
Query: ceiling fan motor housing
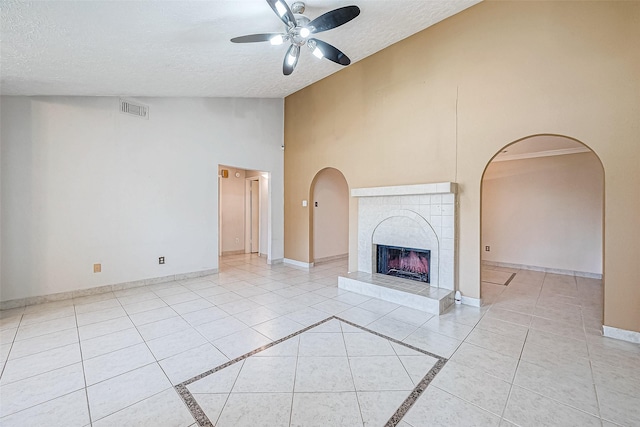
column 298, row 7
column 294, row 33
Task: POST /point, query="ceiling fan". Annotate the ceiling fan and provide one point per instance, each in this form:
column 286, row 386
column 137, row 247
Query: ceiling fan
column 299, row 28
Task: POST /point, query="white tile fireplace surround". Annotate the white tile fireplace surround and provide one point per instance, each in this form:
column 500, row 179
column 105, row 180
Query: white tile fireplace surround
column 421, row 216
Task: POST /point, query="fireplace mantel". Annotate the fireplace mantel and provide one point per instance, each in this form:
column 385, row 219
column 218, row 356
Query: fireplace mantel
column 407, row 190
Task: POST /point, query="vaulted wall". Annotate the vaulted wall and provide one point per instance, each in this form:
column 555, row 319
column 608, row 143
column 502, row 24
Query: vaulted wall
column 440, row 104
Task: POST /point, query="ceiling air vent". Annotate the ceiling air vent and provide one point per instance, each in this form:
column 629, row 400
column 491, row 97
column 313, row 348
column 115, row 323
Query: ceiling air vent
column 134, row 109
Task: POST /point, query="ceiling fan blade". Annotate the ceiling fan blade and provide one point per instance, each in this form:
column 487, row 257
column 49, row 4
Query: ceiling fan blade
column 331, row 53
column 333, row 19
column 254, row 38
column 291, row 59
column 281, row 8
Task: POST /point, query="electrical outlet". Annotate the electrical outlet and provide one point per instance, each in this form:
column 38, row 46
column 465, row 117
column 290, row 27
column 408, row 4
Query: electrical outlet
column 161, row 260
column 487, row 248
column 97, row 268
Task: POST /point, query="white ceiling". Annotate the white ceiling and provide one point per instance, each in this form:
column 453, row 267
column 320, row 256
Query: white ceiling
column 182, row 48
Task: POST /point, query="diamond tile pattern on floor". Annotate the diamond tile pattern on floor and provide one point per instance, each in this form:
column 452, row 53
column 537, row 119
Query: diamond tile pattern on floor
column 317, row 379
column 533, row 354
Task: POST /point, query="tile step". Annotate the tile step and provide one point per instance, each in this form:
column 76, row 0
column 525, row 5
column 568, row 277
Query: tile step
column 408, row 293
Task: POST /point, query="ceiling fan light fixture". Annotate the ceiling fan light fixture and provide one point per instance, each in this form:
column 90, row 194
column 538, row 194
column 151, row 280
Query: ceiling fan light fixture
column 276, row 40
column 282, row 9
column 291, row 58
column 304, row 32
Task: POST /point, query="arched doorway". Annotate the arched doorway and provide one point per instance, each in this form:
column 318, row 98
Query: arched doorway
column 542, row 200
column 329, row 217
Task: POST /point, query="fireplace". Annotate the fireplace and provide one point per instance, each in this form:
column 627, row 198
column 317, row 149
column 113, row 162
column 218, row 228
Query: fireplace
column 408, row 263
column 417, row 226
column 419, row 216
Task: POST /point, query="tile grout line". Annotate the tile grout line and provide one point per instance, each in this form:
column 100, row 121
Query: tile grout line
column 230, row 390
column 156, row 361
column 84, row 375
column 595, row 388
column 148, row 364
column 295, row 376
column 353, row 381
column 511, row 383
column 4, row 365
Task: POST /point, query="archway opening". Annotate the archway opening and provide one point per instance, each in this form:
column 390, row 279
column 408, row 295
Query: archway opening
column 542, row 200
column 329, row 218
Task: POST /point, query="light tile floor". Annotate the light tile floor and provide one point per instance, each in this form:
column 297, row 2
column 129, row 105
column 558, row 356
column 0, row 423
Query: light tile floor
column 533, row 355
column 332, row 373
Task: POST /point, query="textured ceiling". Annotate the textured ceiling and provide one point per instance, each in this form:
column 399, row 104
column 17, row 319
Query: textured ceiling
column 182, row 48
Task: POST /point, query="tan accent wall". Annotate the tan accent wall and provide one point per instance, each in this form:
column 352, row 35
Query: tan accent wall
column 440, row 104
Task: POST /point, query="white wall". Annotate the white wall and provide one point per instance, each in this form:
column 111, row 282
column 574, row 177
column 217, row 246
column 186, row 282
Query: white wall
column 232, row 211
column 544, row 212
column 331, row 216
column 83, row 184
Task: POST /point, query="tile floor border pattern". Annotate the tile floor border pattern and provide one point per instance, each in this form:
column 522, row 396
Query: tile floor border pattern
column 513, row 275
column 203, row 421
column 506, row 283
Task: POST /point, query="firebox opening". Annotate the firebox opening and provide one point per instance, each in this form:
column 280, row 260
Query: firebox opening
column 408, row 263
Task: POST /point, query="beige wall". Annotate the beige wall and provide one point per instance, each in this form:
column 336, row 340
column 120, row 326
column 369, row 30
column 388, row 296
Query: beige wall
column 544, row 212
column 232, row 200
column 439, row 105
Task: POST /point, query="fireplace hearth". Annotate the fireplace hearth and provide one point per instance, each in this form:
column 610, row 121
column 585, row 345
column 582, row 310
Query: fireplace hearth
column 408, row 263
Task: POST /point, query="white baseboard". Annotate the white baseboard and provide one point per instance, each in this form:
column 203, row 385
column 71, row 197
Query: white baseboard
column 298, row 263
column 544, row 269
column 330, row 258
column 621, row 334
column 238, row 252
column 41, row 299
column 473, row 302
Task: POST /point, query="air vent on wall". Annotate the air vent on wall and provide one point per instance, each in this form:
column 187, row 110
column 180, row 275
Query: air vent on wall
column 134, row 109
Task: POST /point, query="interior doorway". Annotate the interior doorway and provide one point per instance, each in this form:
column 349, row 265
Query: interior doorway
column 329, row 216
column 252, row 212
column 243, row 211
column 542, row 209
